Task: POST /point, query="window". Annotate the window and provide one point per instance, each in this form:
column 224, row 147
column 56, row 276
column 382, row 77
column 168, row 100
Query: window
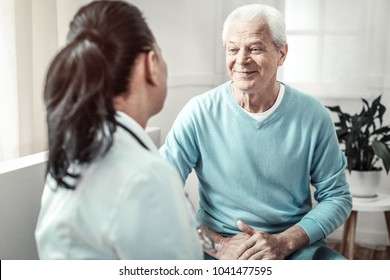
column 30, row 34
column 329, row 46
column 8, row 85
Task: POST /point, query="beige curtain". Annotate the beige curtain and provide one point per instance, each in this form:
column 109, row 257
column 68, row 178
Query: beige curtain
column 8, row 86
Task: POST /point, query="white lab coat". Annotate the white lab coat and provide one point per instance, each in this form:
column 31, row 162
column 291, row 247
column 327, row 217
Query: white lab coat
column 128, row 205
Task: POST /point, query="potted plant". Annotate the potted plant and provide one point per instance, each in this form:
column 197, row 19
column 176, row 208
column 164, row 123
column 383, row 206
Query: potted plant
column 365, row 142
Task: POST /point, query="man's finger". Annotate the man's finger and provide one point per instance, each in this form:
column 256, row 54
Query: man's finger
column 245, row 228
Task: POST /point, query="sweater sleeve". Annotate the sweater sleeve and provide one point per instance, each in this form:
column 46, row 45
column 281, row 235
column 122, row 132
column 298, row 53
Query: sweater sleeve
column 180, row 147
column 334, row 201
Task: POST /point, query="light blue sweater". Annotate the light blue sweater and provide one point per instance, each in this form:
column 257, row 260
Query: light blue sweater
column 261, row 171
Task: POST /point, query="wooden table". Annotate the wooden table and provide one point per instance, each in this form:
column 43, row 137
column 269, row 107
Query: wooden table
column 379, row 204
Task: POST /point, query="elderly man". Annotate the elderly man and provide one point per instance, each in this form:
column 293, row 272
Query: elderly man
column 257, row 145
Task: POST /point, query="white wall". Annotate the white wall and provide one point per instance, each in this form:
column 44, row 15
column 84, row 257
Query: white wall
column 20, row 192
column 186, row 32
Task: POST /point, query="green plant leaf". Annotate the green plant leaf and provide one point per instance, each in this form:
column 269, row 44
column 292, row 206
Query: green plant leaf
column 362, row 137
column 383, row 152
column 334, row 109
column 385, row 138
column 382, row 130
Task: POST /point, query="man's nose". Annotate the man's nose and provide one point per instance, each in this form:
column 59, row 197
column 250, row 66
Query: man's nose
column 243, row 57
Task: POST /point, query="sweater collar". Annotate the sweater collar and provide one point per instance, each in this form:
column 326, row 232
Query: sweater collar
column 251, row 121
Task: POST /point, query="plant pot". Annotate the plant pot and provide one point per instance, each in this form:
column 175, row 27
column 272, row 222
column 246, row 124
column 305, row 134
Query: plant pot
column 363, row 184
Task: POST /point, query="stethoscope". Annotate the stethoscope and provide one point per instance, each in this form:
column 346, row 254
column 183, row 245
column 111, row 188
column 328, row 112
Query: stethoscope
column 132, row 134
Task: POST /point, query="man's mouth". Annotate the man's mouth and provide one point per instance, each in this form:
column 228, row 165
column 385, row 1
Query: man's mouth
column 244, row 73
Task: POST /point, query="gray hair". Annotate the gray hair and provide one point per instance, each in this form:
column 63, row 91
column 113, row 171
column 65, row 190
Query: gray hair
column 261, row 14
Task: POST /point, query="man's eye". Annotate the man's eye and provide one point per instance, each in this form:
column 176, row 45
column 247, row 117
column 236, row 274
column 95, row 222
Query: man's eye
column 232, row 50
column 256, row 50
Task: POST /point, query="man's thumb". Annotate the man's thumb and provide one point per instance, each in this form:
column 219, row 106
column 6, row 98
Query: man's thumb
column 245, row 228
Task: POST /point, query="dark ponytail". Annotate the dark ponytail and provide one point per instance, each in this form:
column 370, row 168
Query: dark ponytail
column 104, row 39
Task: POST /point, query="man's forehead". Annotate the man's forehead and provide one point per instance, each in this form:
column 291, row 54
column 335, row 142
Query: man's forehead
column 253, row 40
column 253, row 37
column 248, row 29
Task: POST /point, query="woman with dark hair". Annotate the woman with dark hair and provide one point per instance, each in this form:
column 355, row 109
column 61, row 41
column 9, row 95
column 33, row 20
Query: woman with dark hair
column 108, row 193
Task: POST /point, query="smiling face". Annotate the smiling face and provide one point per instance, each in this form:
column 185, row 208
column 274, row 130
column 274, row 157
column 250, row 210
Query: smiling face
column 252, row 58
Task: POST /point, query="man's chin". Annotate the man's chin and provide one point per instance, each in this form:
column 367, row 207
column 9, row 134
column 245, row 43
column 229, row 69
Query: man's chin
column 244, row 85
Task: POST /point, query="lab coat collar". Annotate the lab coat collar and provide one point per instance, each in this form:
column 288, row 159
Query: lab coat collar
column 137, row 129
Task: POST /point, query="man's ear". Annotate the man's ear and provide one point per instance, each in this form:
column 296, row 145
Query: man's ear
column 282, row 54
column 151, row 68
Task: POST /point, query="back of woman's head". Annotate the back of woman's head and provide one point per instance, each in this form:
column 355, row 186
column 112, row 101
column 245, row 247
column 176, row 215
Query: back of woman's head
column 104, row 40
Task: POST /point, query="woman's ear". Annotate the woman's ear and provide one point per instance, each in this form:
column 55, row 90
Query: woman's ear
column 151, row 68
